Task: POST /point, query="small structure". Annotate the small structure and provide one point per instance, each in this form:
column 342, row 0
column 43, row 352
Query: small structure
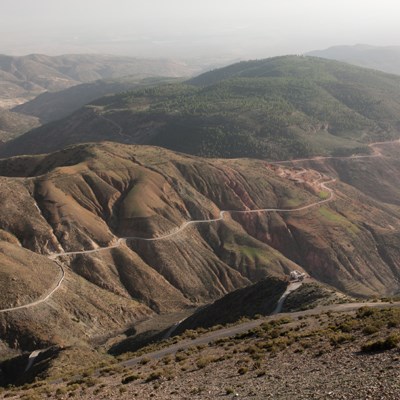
column 297, row 276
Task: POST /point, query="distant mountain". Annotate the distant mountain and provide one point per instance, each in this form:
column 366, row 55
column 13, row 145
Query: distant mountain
column 386, row 59
column 13, row 124
column 278, row 108
column 51, row 106
column 23, row 78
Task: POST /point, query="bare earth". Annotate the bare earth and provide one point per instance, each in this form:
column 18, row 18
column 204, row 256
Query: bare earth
column 299, row 356
column 340, row 374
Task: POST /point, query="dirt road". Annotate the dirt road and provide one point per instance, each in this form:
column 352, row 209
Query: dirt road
column 246, row 326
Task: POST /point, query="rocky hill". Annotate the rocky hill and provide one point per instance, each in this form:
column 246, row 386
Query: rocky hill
column 87, row 197
column 279, row 108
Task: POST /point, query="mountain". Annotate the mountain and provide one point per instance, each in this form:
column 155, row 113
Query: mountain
column 23, row 78
column 51, row 106
column 13, row 124
column 386, row 59
column 82, row 201
column 279, row 108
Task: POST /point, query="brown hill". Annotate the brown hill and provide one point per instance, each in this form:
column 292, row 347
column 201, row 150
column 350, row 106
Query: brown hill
column 260, row 298
column 86, row 197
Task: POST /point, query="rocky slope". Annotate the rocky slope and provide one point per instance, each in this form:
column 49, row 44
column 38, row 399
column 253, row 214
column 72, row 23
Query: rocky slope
column 86, row 197
column 329, row 355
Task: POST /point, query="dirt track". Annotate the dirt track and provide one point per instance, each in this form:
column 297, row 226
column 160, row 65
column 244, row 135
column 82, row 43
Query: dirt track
column 176, row 231
column 246, row 326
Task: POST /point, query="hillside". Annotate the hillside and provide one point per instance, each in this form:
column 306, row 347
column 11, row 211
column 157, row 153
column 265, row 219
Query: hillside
column 23, row 78
column 13, row 124
column 51, row 106
column 386, row 59
column 86, row 198
column 258, row 299
column 279, row 108
column 331, row 354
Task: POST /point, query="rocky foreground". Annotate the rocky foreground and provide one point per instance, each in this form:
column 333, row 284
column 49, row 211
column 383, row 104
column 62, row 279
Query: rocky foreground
column 327, row 356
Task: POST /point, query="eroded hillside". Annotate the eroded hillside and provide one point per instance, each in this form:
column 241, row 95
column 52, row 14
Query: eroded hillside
column 117, row 218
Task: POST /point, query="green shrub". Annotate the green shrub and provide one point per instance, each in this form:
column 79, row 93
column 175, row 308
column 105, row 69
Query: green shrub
column 392, row 324
column 370, row 329
column 389, row 343
column 242, row 370
column 154, row 376
column 129, row 379
column 365, row 312
column 203, row 362
column 340, row 338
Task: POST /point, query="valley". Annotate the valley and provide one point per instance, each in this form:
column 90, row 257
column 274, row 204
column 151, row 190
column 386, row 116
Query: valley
column 92, row 239
column 196, row 203
column 35, row 89
column 109, row 246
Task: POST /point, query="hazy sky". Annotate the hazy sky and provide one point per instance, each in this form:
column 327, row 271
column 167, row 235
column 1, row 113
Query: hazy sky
column 194, row 28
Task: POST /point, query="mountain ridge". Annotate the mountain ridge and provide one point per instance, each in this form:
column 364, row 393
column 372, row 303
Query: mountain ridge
column 279, row 108
column 85, row 197
column 382, row 58
column 25, row 77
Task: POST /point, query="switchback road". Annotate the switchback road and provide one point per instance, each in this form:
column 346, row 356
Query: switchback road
column 176, row 231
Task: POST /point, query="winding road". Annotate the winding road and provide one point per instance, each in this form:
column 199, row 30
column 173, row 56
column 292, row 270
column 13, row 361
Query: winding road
column 44, row 299
column 169, row 235
column 177, row 231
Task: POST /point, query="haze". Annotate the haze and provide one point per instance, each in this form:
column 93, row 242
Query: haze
column 194, row 29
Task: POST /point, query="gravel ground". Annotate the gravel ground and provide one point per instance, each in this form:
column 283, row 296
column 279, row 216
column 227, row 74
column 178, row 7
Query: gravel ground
column 340, row 374
column 311, row 366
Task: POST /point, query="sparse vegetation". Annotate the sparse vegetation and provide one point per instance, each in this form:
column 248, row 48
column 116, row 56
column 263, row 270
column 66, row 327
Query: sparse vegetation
column 129, row 379
column 389, row 343
column 320, row 339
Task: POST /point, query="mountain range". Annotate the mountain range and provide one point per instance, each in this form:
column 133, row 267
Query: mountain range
column 279, row 108
column 196, row 199
column 88, row 197
column 52, row 106
column 386, row 59
column 23, row 78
